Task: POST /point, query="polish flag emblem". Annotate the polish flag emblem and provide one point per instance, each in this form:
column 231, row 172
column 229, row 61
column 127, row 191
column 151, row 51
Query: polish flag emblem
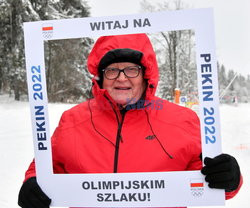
column 47, row 30
column 197, row 187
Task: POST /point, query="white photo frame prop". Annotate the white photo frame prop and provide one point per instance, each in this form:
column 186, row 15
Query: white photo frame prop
column 158, row 189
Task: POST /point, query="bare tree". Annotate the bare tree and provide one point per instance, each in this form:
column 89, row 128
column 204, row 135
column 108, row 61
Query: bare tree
column 177, row 68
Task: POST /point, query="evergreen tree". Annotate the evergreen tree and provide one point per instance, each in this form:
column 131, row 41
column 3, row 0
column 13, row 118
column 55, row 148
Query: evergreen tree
column 5, row 43
column 222, row 78
column 68, row 79
column 12, row 15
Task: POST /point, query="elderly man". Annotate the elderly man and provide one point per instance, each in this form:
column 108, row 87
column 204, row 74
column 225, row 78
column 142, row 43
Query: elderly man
column 126, row 128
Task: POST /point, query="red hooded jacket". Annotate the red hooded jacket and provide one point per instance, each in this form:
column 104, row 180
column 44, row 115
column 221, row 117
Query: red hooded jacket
column 94, row 137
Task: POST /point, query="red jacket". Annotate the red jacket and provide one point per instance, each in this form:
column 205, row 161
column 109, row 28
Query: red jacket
column 95, row 137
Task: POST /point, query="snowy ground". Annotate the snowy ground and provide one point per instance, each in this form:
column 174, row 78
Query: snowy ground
column 16, row 147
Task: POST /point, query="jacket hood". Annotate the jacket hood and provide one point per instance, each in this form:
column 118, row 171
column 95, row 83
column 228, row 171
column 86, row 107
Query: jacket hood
column 139, row 42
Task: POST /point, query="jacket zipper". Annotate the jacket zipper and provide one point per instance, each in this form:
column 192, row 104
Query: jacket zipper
column 118, row 136
column 117, row 144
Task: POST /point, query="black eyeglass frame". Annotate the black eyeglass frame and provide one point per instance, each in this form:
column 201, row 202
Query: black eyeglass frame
column 122, row 70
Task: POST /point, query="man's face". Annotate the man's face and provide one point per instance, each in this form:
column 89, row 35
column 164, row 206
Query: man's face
column 123, row 89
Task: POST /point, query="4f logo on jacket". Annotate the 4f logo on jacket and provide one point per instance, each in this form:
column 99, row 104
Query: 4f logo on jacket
column 150, row 137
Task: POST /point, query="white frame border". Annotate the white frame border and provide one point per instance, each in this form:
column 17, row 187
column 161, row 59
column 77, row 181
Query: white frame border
column 60, row 187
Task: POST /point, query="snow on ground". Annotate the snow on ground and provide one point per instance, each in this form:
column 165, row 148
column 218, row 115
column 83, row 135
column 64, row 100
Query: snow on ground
column 16, row 146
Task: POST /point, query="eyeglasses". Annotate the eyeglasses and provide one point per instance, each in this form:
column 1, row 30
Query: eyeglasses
column 114, row 73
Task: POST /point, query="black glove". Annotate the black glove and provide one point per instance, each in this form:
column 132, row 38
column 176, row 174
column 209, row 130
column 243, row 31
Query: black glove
column 32, row 196
column 222, row 172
